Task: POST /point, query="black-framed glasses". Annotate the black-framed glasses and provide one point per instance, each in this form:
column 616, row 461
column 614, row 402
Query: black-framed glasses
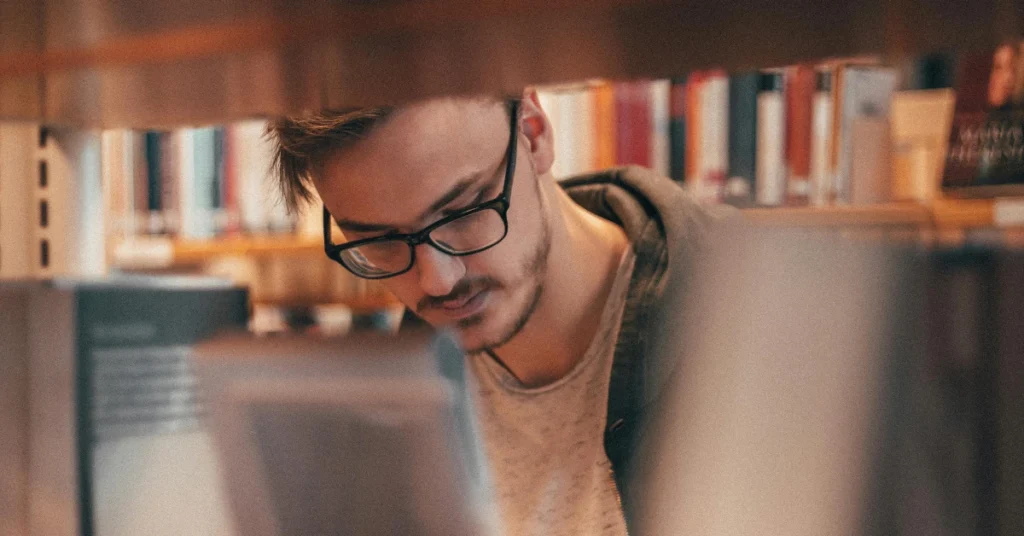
column 466, row 232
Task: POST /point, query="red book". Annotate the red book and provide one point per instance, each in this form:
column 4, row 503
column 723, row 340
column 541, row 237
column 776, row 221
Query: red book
column 229, row 188
column 800, row 83
column 633, row 123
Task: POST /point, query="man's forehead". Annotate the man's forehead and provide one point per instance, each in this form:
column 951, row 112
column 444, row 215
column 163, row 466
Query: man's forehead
column 419, row 153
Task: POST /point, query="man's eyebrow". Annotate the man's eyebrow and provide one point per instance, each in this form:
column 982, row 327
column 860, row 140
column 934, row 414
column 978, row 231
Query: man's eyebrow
column 452, row 194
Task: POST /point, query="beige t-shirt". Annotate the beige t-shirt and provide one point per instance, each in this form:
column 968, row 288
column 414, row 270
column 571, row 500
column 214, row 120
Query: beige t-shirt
column 545, row 445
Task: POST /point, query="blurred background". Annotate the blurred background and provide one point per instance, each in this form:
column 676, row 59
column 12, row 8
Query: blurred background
column 131, row 132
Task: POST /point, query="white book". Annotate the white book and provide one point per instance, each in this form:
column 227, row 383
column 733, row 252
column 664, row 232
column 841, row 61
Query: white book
column 821, row 148
column 866, row 92
column 714, row 162
column 550, row 102
column 204, row 150
column 118, row 183
column 771, row 141
column 189, row 220
column 567, row 133
column 661, row 157
column 19, row 212
column 74, row 240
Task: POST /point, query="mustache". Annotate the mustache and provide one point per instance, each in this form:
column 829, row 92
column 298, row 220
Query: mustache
column 462, row 289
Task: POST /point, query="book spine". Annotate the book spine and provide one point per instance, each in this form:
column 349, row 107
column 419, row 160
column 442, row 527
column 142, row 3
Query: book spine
column 677, row 130
column 800, row 86
column 585, row 131
column 230, row 184
column 187, row 183
column 118, row 180
column 694, row 88
column 568, row 133
column 170, row 181
column 633, row 116
column 771, row 131
column 604, row 125
column 154, row 183
column 552, row 106
column 73, row 241
column 821, row 141
column 714, row 136
column 244, row 137
column 867, row 92
column 742, row 139
column 659, row 94
column 204, row 167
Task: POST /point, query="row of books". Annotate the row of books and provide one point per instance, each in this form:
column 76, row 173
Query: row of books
column 194, row 183
column 784, row 136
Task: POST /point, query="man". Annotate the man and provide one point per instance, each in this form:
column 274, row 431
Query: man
column 554, row 289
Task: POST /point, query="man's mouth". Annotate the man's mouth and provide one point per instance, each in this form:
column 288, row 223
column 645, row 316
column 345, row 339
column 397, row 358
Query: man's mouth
column 464, row 306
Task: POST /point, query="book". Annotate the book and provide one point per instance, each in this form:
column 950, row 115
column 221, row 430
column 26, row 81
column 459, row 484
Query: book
column 694, row 85
column 739, row 187
column 800, row 88
column 821, row 189
column 661, row 151
column 986, row 144
column 633, row 123
column 921, row 122
column 73, row 239
column 714, row 137
column 771, row 131
column 677, row 130
column 865, row 93
column 604, row 125
column 114, row 418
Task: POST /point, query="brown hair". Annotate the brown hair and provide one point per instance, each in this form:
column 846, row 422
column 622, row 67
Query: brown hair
column 302, row 143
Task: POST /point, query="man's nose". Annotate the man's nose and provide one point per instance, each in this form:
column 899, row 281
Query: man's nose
column 438, row 272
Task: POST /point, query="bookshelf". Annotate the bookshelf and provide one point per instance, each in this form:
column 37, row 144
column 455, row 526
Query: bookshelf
column 84, row 63
column 172, row 64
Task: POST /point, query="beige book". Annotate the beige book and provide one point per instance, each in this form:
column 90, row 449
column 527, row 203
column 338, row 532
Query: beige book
column 921, row 122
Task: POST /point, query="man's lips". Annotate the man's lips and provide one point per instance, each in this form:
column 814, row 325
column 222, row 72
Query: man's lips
column 465, row 306
column 458, row 302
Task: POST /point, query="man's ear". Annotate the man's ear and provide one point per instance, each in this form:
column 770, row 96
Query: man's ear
column 534, row 124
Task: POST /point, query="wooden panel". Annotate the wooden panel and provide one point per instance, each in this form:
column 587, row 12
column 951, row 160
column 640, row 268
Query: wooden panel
column 136, row 63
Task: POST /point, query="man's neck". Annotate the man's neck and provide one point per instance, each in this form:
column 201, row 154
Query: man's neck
column 586, row 253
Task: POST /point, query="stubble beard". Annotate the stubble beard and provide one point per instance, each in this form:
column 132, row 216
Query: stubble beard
column 533, row 273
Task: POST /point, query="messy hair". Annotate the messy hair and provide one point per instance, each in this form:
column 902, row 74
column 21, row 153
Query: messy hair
column 303, row 143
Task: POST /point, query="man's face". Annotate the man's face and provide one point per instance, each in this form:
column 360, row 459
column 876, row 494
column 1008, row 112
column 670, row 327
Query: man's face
column 424, row 163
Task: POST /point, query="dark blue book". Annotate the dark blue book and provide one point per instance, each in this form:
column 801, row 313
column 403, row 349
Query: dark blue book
column 677, row 130
column 739, row 186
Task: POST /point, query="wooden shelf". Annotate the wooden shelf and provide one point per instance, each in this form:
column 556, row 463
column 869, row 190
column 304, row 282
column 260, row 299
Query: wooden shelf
column 944, row 213
column 162, row 253
column 979, row 213
column 358, row 304
column 891, row 214
column 191, row 252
